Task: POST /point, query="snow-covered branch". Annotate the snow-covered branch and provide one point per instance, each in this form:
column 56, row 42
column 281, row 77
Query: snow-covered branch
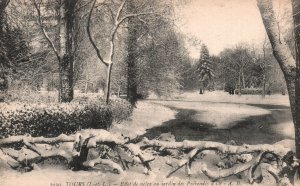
column 88, row 29
column 36, row 149
column 277, row 153
column 120, row 10
column 40, row 22
column 20, row 139
column 117, row 152
column 134, row 15
column 220, row 147
column 280, row 48
column 113, row 165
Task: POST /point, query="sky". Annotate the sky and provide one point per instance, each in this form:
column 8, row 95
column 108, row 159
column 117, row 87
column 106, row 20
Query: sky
column 220, row 23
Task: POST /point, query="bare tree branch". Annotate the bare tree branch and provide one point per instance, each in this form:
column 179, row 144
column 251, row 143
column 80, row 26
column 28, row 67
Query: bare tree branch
column 280, row 48
column 120, row 10
column 135, row 15
column 37, row 7
column 110, row 11
column 98, row 160
column 82, row 6
column 91, row 38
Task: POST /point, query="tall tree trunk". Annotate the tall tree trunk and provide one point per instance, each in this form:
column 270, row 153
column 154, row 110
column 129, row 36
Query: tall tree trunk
column 201, row 87
column 296, row 13
column 263, row 65
column 131, row 57
column 108, row 81
column 285, row 59
column 264, row 84
column 86, row 87
column 240, row 86
column 243, row 77
column 66, row 28
column 3, row 5
column 119, row 90
column 3, row 57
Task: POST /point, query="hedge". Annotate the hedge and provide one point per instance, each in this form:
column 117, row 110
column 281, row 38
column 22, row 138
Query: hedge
column 121, row 109
column 38, row 116
column 52, row 119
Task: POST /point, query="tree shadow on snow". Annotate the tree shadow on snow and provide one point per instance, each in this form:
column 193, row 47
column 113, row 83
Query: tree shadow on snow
column 250, row 130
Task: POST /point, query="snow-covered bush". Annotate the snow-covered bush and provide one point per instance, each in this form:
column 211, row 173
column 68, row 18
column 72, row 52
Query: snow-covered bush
column 121, row 109
column 52, row 119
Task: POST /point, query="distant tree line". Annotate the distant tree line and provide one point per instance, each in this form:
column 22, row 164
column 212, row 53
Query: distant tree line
column 236, row 70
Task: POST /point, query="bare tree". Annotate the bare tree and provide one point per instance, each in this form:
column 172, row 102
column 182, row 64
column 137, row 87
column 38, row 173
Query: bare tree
column 237, row 60
column 262, row 60
column 118, row 19
column 285, row 59
column 65, row 52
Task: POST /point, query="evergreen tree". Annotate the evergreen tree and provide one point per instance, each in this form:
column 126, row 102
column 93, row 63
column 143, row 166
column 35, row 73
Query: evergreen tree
column 204, row 69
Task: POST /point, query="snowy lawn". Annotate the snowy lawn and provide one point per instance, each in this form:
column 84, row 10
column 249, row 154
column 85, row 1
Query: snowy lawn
column 246, row 118
column 219, row 115
column 145, row 116
column 220, row 111
column 224, row 97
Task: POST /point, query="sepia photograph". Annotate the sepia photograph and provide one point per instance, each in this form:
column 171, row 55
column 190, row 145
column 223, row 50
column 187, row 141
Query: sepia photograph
column 149, row 92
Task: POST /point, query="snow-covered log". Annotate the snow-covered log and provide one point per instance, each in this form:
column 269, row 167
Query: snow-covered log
column 98, row 136
column 27, row 158
column 21, row 139
column 220, row 147
column 144, row 158
column 107, row 162
column 116, row 152
column 37, row 149
column 259, row 153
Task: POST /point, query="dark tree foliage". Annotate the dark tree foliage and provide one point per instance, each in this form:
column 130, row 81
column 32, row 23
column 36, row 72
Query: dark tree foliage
column 204, row 69
column 296, row 114
column 14, row 50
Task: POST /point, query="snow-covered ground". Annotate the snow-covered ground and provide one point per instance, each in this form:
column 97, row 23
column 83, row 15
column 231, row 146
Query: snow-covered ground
column 225, row 109
column 146, row 115
column 220, row 109
column 219, row 115
column 286, row 128
column 224, row 97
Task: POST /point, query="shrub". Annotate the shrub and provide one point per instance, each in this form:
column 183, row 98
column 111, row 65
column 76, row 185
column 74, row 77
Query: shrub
column 121, row 109
column 39, row 114
column 52, row 119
